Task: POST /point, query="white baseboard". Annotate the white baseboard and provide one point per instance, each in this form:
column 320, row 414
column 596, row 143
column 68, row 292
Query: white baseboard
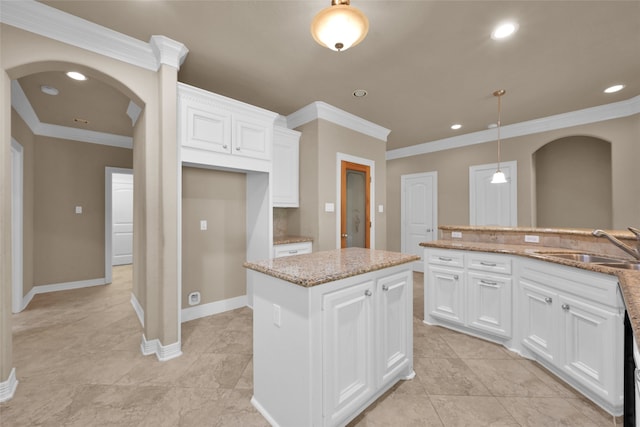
column 204, row 310
column 43, row 289
column 137, row 308
column 8, row 387
column 163, row 353
column 264, row 412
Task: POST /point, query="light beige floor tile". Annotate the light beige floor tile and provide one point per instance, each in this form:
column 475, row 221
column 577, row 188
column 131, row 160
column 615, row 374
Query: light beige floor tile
column 448, row 377
column 231, row 341
column 546, row 411
column 467, row 347
column 212, row 370
column 431, row 346
column 509, row 378
column 246, row 379
column 559, row 388
column 472, row 411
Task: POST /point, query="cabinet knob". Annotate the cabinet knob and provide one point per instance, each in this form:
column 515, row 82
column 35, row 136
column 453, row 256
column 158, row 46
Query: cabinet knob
column 428, row 230
column 455, row 277
column 548, row 300
column 565, row 307
column 367, row 293
column 225, row 146
column 385, row 288
column 237, row 148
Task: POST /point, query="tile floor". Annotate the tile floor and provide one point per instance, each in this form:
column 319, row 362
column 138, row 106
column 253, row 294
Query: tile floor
column 77, row 357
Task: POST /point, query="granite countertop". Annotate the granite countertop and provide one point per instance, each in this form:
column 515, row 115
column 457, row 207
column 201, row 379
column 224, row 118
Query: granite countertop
column 285, row 240
column 629, row 279
column 328, row 266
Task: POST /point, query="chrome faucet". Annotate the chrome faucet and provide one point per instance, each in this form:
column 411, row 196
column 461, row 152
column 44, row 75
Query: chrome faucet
column 634, row 252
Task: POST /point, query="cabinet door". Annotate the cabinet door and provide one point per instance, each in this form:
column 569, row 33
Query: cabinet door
column 394, row 324
column 445, row 293
column 205, row 127
column 252, row 138
column 538, row 323
column 592, row 346
column 348, row 350
column 285, row 173
column 489, row 303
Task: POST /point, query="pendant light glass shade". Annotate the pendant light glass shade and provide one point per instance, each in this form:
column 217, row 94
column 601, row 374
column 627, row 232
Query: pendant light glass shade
column 339, row 26
column 498, row 176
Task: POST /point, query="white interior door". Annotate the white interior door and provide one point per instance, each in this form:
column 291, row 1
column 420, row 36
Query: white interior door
column 419, row 194
column 493, row 204
column 122, row 218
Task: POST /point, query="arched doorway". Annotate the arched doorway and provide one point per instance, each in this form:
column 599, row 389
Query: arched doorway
column 573, row 183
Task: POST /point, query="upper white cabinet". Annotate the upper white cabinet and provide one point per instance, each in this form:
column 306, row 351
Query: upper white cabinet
column 218, row 131
column 286, row 160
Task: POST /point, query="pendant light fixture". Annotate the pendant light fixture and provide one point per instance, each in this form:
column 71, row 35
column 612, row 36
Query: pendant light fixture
column 339, row 26
column 498, row 176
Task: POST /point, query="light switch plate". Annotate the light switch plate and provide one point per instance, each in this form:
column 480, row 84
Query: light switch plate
column 203, row 224
column 381, row 208
column 329, row 207
column 531, row 238
column 276, row 315
column 78, row 209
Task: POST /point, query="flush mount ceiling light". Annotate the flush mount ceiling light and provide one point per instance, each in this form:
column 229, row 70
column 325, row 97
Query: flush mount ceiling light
column 614, row 89
column 360, row 93
column 49, row 90
column 76, row 75
column 504, row 30
column 456, row 126
column 498, row 176
column 339, row 26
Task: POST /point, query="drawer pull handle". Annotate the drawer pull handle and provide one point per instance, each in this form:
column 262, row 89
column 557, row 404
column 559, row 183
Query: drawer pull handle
column 294, row 251
column 566, row 307
column 488, row 264
column 548, row 300
column 367, row 293
column 385, row 288
column 441, row 258
column 486, row 282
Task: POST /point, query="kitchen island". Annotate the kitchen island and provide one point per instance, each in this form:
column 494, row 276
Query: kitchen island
column 332, row 331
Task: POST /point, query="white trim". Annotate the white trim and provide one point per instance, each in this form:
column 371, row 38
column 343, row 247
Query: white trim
column 137, row 308
column 372, row 195
column 65, row 286
column 8, row 387
column 512, row 179
column 209, row 309
column 162, row 352
column 133, row 111
column 17, row 230
column 267, row 416
column 322, row 110
column 418, row 265
column 559, row 121
column 24, row 109
column 55, row 24
column 108, row 220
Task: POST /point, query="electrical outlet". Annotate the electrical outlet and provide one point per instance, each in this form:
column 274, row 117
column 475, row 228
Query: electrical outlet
column 531, row 238
column 276, row 315
column 203, row 224
column 194, row 298
column 456, row 234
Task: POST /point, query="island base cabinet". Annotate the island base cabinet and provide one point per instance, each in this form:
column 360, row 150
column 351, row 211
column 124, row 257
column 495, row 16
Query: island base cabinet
column 537, row 320
column 323, row 354
column 489, row 302
column 444, row 296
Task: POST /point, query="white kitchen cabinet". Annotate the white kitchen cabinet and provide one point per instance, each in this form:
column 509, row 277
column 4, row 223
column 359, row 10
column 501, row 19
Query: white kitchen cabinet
column 286, row 174
column 217, row 131
column 291, row 249
column 348, row 349
column 445, row 294
column 489, row 303
column 572, row 322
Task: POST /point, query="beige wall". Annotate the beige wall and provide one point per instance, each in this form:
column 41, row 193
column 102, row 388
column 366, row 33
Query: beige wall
column 69, row 247
column 21, row 133
column 212, row 259
column 320, row 142
column 452, row 167
column 573, row 183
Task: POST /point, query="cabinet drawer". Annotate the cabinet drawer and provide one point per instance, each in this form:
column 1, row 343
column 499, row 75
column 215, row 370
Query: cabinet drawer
column 487, row 262
column 444, row 257
column 291, row 249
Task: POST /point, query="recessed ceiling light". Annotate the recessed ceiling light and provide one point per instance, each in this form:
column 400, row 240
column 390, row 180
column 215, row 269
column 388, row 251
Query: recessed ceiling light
column 504, row 30
column 359, row 93
column 49, row 90
column 614, row 89
column 76, row 75
column 456, row 126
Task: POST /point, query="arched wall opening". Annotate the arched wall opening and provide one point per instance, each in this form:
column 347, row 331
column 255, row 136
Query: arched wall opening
column 573, row 183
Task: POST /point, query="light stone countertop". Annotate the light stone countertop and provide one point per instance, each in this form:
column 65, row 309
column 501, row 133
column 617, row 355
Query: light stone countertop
column 286, row 240
column 328, row 266
column 629, row 280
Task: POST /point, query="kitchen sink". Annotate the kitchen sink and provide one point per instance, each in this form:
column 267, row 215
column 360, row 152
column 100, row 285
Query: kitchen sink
column 623, row 265
column 582, row 257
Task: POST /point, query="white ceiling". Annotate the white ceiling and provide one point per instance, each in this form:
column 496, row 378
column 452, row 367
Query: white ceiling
column 425, row 64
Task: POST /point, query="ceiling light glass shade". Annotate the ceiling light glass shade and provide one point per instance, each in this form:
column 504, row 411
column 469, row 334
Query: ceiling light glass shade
column 339, row 26
column 498, row 177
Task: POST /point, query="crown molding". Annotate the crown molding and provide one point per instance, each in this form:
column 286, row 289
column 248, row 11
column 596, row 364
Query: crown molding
column 600, row 113
column 322, row 110
column 24, row 109
column 55, row 24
